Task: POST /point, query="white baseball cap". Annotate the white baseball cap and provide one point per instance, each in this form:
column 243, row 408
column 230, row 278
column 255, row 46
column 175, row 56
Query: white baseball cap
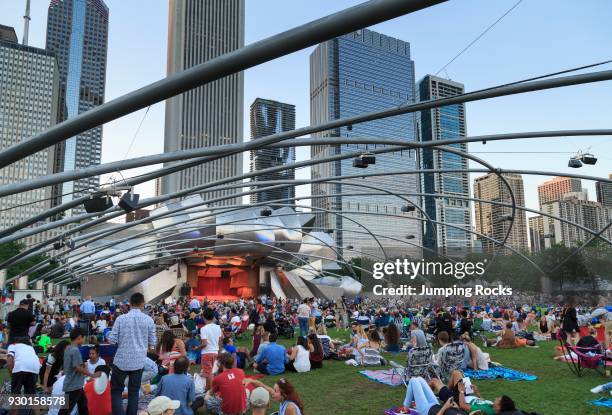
column 100, row 383
column 161, row 404
column 259, row 398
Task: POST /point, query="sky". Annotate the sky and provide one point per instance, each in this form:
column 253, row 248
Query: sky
column 537, row 37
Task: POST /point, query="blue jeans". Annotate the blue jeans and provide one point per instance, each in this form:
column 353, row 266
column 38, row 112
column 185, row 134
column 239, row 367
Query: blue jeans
column 303, row 326
column 420, row 392
column 117, row 385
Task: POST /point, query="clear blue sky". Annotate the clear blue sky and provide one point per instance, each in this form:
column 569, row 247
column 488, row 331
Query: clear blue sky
column 539, row 36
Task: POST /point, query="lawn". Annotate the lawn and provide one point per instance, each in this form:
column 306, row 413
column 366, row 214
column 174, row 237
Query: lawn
column 340, row 389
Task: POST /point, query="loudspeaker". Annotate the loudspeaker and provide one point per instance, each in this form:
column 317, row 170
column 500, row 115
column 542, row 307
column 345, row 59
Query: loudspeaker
column 129, row 202
column 185, row 290
column 225, row 274
column 98, row 204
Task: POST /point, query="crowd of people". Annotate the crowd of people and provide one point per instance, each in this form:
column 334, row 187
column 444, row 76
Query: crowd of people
column 128, row 356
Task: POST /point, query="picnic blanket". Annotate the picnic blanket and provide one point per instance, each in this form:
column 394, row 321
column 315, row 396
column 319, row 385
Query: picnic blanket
column 498, row 372
column 605, row 402
column 387, row 377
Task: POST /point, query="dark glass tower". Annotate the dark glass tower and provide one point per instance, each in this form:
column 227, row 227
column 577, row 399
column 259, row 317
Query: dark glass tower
column 439, row 124
column 353, row 74
column 77, row 33
column 271, row 117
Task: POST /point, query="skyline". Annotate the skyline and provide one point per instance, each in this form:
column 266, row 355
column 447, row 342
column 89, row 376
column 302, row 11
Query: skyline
column 547, row 49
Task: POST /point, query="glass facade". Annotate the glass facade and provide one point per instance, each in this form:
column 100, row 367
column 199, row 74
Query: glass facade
column 445, row 123
column 77, row 33
column 272, row 117
column 357, row 73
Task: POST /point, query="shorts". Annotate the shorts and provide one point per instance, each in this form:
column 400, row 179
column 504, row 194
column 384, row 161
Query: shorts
column 208, row 362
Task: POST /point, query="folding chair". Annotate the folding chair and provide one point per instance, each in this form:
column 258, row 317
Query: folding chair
column 420, row 363
column 580, row 358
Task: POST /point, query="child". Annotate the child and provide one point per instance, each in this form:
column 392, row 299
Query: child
column 94, row 359
column 44, row 341
column 194, row 348
column 180, row 386
column 75, row 372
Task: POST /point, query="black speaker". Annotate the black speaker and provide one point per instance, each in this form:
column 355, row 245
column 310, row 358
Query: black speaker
column 185, row 290
column 98, row 204
column 129, row 202
column 225, row 273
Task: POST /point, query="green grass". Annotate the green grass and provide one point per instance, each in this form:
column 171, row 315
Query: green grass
column 340, row 389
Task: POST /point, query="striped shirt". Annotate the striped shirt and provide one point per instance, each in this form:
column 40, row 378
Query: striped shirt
column 134, row 334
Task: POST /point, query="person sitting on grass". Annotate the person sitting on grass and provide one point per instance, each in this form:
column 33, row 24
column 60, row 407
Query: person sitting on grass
column 259, row 401
column 329, row 348
column 228, row 394
column 271, row 360
column 44, row 341
column 476, row 358
column 193, row 347
column 392, row 338
column 284, row 393
column 299, row 357
column 94, row 359
column 316, row 351
column 169, row 349
column 179, row 386
column 162, row 405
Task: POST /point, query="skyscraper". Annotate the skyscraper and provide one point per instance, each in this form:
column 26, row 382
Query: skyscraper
column 604, row 193
column 77, row 33
column 556, row 187
column 29, row 82
column 271, row 117
column 575, row 208
column 211, row 115
column 439, row 124
column 536, row 233
column 492, row 220
column 353, row 74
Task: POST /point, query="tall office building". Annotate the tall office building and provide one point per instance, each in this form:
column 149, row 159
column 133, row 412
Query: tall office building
column 575, row 208
column 77, row 33
column 439, row 124
column 211, row 115
column 271, row 117
column 604, row 192
column 536, row 233
column 492, row 220
column 350, row 75
column 29, row 82
column 556, row 187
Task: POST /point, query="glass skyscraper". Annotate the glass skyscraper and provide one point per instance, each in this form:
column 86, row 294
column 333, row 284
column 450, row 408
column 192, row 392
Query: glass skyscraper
column 439, row 124
column 350, row 75
column 28, row 105
column 271, row 117
column 77, row 33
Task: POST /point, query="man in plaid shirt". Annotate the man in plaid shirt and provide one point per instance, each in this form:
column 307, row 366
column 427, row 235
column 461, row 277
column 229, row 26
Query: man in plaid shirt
column 134, row 334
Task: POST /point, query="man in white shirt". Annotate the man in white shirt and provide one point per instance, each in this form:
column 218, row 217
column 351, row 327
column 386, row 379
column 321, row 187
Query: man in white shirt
column 211, row 336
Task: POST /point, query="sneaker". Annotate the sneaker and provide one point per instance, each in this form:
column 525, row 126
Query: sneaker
column 598, row 389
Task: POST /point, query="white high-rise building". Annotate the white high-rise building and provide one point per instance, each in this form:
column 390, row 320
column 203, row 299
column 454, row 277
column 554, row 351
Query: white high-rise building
column 211, row 115
column 575, row 207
